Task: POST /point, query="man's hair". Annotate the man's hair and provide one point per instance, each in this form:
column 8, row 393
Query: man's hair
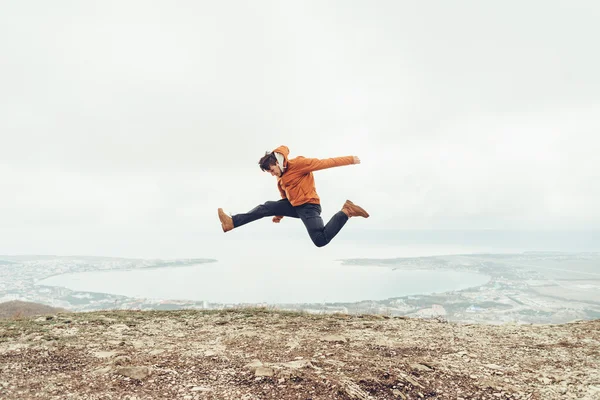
column 267, row 160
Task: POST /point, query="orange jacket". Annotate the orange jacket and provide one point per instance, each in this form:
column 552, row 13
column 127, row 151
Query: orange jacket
column 297, row 183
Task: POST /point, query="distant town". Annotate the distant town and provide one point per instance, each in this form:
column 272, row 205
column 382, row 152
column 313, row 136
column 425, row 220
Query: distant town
column 539, row 288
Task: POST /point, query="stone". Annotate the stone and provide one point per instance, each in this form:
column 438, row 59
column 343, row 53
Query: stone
column 119, row 327
column 200, row 389
column 101, row 371
column 333, row 339
column 297, row 364
column 104, row 354
column 263, row 371
column 420, row 367
column 121, row 360
column 254, row 364
column 134, row 372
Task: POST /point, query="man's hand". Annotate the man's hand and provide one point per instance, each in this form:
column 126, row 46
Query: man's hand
column 356, row 160
column 277, row 218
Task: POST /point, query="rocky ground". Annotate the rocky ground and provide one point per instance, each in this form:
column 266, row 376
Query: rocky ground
column 265, row 354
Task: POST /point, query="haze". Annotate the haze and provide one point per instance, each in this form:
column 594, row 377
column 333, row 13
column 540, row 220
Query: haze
column 125, row 124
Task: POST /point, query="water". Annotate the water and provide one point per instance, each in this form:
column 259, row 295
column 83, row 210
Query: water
column 234, row 283
column 277, row 273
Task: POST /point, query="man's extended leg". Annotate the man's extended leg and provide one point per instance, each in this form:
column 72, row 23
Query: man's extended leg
column 320, row 234
column 270, row 208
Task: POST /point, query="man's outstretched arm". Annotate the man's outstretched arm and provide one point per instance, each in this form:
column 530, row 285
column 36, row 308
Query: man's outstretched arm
column 315, row 164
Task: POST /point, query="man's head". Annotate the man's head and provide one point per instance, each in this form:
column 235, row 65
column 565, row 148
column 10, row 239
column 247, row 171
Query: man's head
column 269, row 164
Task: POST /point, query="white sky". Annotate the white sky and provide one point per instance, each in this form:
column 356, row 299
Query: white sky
column 125, row 124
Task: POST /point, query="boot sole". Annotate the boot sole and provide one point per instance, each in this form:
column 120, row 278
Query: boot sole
column 362, row 212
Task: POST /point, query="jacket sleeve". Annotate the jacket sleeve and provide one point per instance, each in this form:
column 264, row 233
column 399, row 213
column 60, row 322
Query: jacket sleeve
column 314, row 164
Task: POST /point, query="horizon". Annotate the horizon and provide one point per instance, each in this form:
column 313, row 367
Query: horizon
column 247, row 244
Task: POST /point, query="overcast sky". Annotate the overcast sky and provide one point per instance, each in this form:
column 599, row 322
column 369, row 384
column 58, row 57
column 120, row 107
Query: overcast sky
column 125, row 124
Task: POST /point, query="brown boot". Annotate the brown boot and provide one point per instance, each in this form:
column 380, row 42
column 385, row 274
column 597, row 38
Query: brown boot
column 352, row 210
column 226, row 221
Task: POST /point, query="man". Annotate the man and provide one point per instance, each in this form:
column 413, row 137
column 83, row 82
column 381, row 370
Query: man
column 296, row 184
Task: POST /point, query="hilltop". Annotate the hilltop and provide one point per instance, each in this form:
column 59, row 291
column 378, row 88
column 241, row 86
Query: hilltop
column 19, row 309
column 266, row 354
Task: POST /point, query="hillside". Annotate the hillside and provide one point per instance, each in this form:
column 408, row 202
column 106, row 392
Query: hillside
column 263, row 354
column 19, row 309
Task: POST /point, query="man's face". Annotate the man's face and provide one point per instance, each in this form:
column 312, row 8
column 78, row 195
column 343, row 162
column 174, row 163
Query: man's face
column 275, row 170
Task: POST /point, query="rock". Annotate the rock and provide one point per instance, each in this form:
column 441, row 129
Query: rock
column 121, row 360
column 399, row 394
column 254, row 364
column 134, row 372
column 101, row 371
column 119, row 327
column 284, row 374
column 297, row 364
column 593, row 391
column 412, row 381
column 104, row 354
column 209, row 353
column 335, row 363
column 563, row 389
column 334, row 339
column 484, row 384
column 354, row 391
column 264, row 371
column 420, row 367
column 200, row 389
column 494, row 367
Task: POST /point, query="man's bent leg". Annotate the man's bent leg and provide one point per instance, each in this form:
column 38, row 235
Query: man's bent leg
column 270, row 208
column 320, row 235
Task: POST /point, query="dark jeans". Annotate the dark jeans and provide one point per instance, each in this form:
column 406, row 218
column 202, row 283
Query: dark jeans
column 309, row 213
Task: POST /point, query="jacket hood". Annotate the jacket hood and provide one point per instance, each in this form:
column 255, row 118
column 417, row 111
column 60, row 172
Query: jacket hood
column 284, row 151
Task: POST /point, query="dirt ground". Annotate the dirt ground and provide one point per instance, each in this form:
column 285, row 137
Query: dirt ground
column 266, row 354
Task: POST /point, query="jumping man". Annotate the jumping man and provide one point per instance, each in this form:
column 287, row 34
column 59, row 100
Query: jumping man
column 296, row 184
